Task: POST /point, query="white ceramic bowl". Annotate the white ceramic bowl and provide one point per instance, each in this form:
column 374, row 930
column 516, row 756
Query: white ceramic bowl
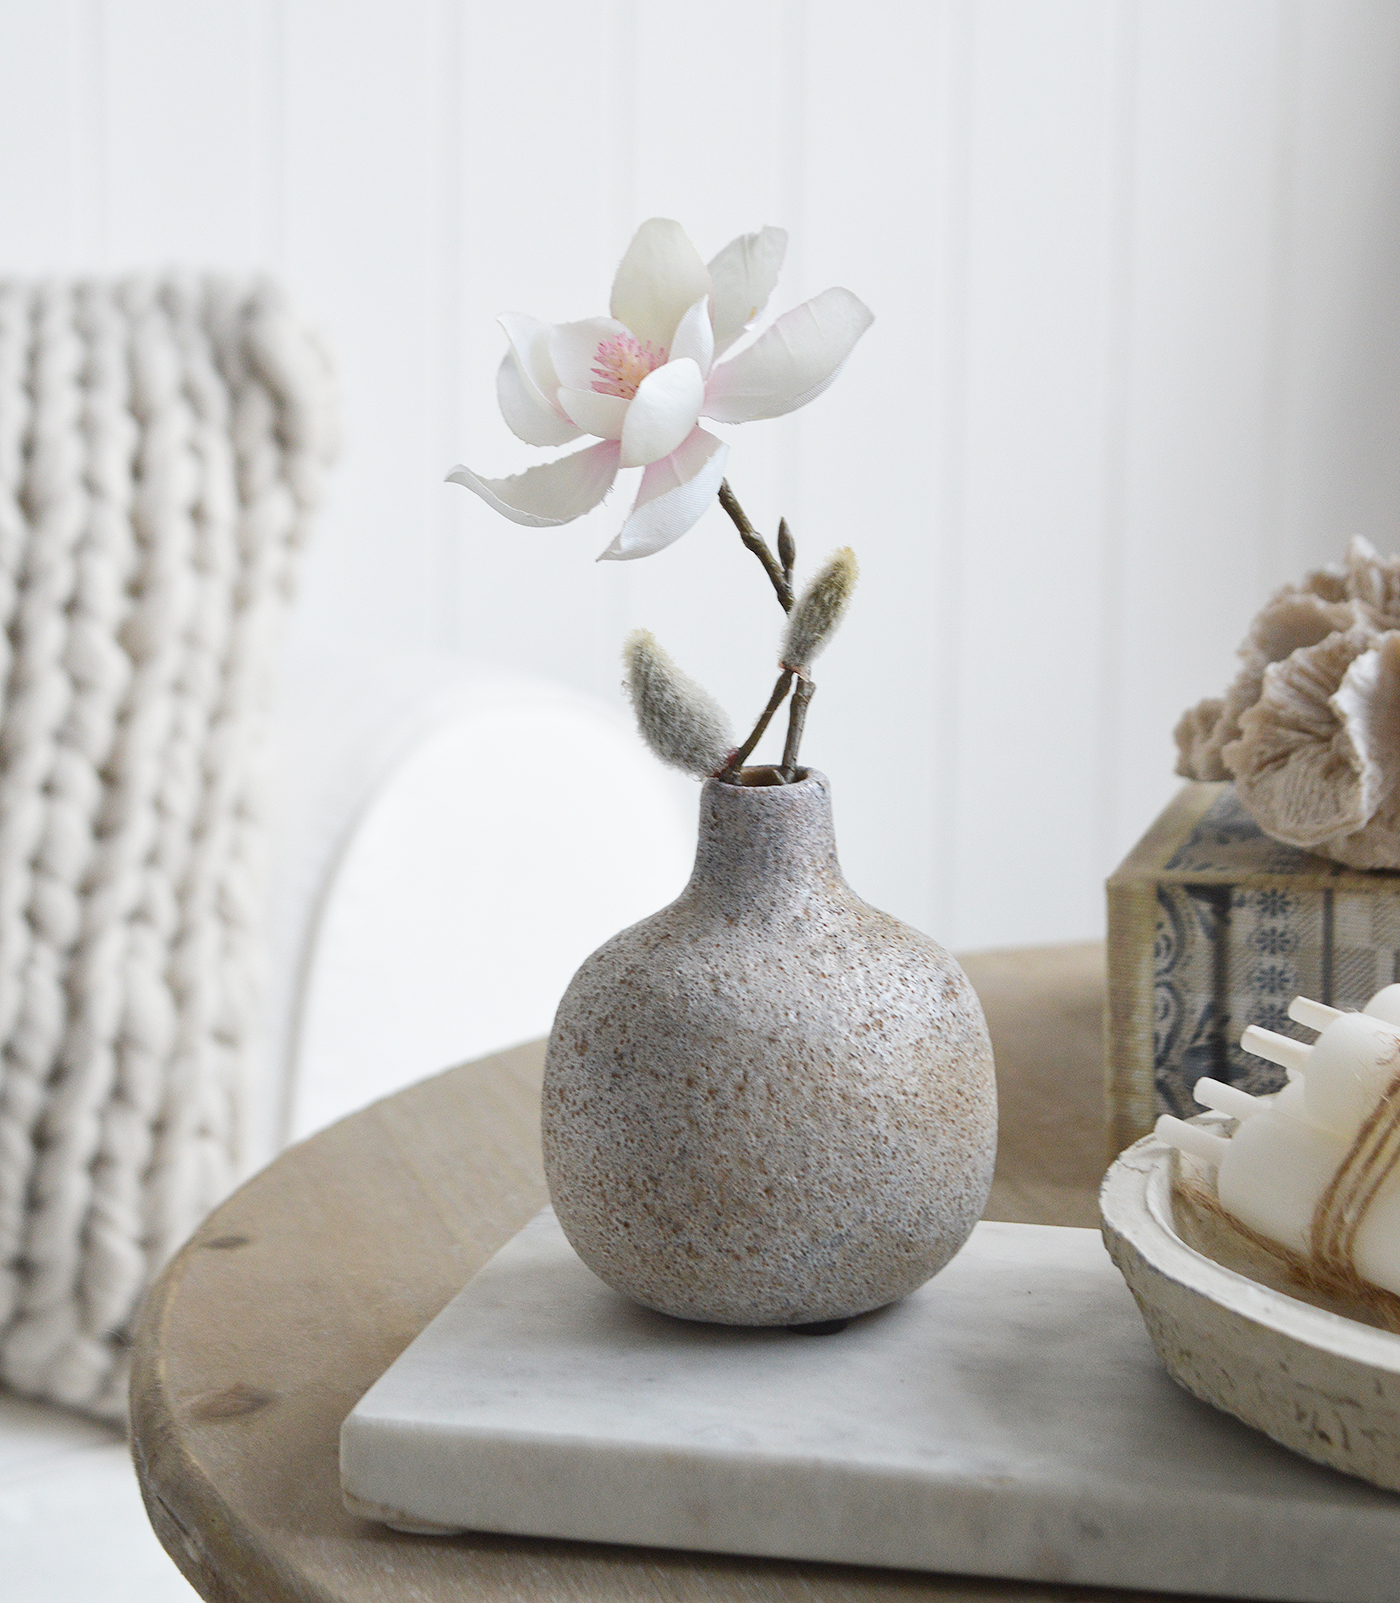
column 1319, row 1382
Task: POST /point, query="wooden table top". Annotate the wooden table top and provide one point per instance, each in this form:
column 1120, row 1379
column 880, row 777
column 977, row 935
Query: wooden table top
column 299, row 1291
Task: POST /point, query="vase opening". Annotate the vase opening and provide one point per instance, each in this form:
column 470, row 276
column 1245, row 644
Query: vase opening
column 768, row 775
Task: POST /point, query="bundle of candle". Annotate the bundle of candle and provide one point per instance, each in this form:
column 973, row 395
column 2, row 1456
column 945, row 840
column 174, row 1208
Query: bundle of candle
column 1313, row 1169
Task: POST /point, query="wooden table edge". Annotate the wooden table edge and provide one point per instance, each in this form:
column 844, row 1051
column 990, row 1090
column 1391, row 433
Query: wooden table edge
column 179, row 1498
column 222, row 1556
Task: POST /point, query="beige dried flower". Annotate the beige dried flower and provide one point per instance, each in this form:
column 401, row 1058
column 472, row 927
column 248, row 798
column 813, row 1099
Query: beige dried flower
column 679, row 719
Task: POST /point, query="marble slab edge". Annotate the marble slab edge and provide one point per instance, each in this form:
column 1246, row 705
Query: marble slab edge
column 1255, row 1523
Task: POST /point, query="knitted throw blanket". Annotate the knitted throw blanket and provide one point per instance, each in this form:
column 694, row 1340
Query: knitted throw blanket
column 161, row 446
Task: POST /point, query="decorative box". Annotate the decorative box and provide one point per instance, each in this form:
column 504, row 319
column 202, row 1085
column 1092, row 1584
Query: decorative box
column 1212, row 926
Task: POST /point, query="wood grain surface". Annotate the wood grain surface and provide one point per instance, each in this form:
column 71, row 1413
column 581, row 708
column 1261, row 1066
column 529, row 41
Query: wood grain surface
column 296, row 1294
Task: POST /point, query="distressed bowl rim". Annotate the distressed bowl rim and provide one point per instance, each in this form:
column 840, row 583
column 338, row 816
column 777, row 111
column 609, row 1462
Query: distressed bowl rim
column 1135, row 1209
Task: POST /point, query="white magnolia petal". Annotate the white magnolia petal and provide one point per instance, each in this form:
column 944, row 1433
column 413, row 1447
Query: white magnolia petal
column 573, row 349
column 602, row 415
column 663, row 413
column 528, row 415
column 792, row 363
column 659, row 278
column 529, row 339
column 744, row 274
column 695, row 338
column 553, row 493
column 674, row 494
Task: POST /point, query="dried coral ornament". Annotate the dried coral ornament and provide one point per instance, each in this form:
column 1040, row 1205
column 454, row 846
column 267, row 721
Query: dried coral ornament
column 1309, row 730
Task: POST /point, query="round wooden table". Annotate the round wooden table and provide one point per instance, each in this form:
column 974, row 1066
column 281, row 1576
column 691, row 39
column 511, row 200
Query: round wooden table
column 299, row 1291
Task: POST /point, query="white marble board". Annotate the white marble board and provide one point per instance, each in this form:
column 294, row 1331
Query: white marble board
column 1008, row 1419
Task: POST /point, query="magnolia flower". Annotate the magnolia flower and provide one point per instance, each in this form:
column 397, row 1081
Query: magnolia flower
column 641, row 379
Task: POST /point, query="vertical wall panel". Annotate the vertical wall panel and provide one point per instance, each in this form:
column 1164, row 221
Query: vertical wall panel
column 1339, row 462
column 870, row 465
column 1114, row 624
column 538, row 125
column 182, row 133
column 1202, row 322
column 45, row 174
column 1136, row 357
column 1037, row 346
column 360, row 163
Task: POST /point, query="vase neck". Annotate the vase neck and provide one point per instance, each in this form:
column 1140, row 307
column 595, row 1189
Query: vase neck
column 761, row 846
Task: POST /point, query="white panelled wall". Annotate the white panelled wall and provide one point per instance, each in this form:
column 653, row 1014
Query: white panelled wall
column 1136, row 358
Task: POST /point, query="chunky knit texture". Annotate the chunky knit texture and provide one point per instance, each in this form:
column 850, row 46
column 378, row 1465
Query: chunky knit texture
column 161, row 445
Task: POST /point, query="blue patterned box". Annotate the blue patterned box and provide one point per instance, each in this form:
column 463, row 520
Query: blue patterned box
column 1212, row 926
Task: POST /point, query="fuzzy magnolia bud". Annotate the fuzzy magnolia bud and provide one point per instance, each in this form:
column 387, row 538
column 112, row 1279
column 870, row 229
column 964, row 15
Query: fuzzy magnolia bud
column 679, row 719
column 819, row 610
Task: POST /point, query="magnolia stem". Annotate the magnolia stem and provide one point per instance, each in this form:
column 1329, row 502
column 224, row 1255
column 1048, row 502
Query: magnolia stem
column 740, row 757
column 797, row 717
column 787, row 552
column 757, row 544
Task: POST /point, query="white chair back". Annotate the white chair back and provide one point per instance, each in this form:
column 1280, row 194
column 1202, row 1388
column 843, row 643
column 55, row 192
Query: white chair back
column 457, row 841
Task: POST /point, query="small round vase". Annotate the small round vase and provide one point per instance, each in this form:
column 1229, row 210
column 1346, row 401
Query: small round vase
column 769, row 1103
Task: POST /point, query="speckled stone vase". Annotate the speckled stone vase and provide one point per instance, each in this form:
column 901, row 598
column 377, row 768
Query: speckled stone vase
column 768, row 1104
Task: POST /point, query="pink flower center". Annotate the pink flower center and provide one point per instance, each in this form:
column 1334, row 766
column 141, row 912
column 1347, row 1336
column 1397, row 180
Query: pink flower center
column 623, row 362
